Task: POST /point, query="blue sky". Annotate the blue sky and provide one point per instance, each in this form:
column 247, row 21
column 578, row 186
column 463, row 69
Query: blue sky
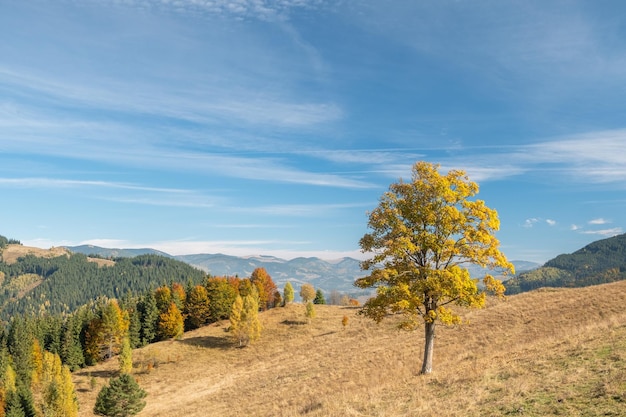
column 271, row 127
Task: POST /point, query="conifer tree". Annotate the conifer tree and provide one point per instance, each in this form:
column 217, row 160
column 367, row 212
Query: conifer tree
column 319, row 297
column 134, row 327
column 123, row 397
column 288, row 293
column 149, row 318
column 71, row 348
column 20, row 344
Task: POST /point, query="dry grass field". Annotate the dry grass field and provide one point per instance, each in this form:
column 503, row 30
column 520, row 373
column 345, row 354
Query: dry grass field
column 557, row 352
column 11, row 253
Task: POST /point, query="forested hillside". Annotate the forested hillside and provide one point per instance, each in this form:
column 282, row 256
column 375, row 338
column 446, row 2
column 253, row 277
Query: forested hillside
column 599, row 262
column 62, row 283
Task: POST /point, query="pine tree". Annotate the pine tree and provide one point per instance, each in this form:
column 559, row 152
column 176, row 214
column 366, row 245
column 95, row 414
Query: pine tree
column 20, row 343
column 288, row 293
column 134, row 327
column 71, row 349
column 149, row 318
column 319, row 297
column 123, row 397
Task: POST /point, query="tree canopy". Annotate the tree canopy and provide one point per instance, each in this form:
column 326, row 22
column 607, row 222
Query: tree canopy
column 424, row 234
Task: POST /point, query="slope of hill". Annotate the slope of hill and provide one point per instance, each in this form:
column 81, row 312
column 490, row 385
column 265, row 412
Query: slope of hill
column 599, row 262
column 544, row 353
column 36, row 280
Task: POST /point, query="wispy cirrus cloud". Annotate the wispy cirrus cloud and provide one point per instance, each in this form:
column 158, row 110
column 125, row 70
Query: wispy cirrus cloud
column 300, row 210
column 597, row 221
column 269, row 10
column 591, row 157
column 67, row 183
column 204, row 105
column 604, row 232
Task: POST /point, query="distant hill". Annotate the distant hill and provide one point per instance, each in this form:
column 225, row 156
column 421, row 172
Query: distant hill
column 327, row 275
column 34, row 280
column 599, row 262
column 107, row 253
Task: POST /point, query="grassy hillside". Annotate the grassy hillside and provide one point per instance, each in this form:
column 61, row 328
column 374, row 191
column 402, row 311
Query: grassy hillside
column 599, row 262
column 543, row 353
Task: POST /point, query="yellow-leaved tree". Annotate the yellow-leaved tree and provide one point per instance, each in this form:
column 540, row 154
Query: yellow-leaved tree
column 424, row 234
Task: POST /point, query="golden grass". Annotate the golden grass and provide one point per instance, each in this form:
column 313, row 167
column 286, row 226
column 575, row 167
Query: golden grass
column 12, row 252
column 558, row 352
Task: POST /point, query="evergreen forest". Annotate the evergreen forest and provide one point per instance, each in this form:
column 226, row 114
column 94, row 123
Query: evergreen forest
column 36, row 284
column 597, row 263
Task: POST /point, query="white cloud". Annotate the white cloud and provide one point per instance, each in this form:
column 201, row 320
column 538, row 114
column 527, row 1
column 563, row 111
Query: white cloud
column 528, row 223
column 605, row 232
column 268, row 10
column 574, row 227
column 598, row 221
column 551, row 222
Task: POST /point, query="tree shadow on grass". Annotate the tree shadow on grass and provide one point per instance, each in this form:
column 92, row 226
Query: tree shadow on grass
column 209, row 342
column 293, row 322
column 98, row 374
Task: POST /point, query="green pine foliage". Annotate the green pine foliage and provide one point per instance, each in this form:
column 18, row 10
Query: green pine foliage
column 123, row 397
column 149, row 318
column 599, row 262
column 319, row 297
column 64, row 283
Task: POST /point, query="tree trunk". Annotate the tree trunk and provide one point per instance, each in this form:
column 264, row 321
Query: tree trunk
column 429, row 341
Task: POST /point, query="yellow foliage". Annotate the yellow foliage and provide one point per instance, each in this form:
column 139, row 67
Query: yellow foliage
column 422, row 236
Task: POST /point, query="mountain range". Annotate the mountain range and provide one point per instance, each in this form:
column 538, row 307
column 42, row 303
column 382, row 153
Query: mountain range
column 326, row 275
